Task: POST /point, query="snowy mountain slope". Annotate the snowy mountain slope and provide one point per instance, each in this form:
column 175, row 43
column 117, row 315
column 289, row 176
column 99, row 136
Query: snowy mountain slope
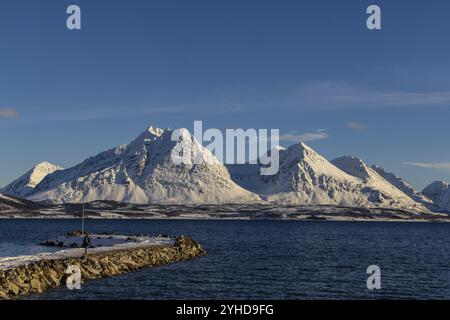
column 305, row 177
column 370, row 177
column 143, row 172
column 439, row 192
column 249, row 177
column 24, row 186
column 403, row 186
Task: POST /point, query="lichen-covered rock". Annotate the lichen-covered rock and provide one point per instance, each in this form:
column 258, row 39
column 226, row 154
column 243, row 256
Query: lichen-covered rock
column 13, row 288
column 3, row 295
column 37, row 285
column 39, row 276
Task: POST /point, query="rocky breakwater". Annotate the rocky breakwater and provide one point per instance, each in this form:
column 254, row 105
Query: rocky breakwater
column 50, row 272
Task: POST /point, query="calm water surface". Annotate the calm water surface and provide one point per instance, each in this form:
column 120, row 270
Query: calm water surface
column 264, row 259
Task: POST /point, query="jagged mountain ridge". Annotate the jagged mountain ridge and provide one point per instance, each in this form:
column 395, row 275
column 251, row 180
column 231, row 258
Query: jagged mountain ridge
column 142, row 172
column 371, row 177
column 403, row 186
column 305, row 177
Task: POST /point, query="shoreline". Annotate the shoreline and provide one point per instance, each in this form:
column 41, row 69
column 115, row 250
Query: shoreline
column 232, row 211
column 49, row 270
column 302, row 219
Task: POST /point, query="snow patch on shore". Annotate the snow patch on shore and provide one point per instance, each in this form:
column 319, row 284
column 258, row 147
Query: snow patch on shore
column 7, row 263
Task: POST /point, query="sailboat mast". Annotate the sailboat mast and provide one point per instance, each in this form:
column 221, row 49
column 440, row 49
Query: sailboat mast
column 82, row 219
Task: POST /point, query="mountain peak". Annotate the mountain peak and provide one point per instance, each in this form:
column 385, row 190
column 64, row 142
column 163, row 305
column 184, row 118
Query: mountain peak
column 439, row 184
column 155, row 131
column 40, row 171
column 301, row 150
column 150, row 134
column 44, row 164
column 439, row 192
column 25, row 185
column 304, row 146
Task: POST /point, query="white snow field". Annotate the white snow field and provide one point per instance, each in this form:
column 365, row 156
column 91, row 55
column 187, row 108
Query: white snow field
column 13, row 262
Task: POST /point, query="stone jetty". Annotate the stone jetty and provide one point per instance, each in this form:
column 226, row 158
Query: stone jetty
column 50, row 272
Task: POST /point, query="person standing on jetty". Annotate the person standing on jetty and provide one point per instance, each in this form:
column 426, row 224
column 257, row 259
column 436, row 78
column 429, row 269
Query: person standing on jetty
column 86, row 243
column 86, row 239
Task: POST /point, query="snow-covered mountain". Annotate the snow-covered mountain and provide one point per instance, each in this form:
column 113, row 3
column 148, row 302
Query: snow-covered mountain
column 305, row 177
column 143, row 172
column 373, row 179
column 439, row 192
column 24, row 186
column 404, row 186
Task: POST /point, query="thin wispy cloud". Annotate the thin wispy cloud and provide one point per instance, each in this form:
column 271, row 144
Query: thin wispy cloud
column 430, row 165
column 355, row 125
column 319, row 134
column 8, row 113
column 101, row 113
column 336, row 94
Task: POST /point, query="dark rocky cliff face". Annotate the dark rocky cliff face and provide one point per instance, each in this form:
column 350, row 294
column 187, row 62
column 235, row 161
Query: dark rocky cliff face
column 45, row 274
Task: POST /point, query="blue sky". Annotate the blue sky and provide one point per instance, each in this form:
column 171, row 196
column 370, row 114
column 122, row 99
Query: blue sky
column 301, row 66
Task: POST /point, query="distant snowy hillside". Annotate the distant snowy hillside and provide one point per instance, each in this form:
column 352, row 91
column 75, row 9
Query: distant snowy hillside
column 24, row 186
column 371, row 178
column 10, row 204
column 143, row 172
column 439, row 192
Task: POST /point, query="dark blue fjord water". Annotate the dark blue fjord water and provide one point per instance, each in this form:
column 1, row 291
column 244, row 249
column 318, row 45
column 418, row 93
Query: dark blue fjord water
column 265, row 259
